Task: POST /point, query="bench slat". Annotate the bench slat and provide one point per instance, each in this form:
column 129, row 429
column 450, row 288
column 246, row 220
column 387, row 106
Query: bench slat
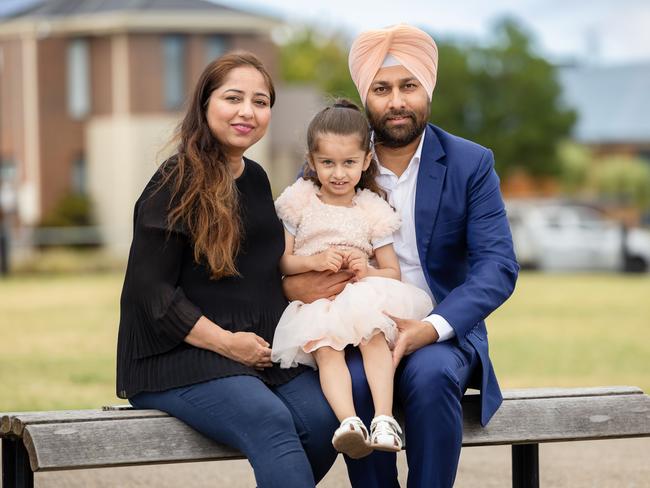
column 119, row 443
column 149, row 440
column 522, row 393
column 14, row 423
column 560, row 419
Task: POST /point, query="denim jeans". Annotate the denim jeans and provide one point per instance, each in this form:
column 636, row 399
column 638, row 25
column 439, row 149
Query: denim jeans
column 285, row 431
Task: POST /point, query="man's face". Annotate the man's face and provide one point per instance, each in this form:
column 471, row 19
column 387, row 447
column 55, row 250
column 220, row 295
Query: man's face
column 397, row 107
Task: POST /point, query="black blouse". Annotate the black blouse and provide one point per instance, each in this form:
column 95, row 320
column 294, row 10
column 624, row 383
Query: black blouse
column 165, row 292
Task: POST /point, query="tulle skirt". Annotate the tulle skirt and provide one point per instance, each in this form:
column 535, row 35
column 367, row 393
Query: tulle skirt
column 353, row 317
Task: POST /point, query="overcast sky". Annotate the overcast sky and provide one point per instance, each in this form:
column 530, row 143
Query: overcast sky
column 611, row 31
column 604, row 31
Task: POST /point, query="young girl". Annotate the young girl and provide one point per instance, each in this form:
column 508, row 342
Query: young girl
column 335, row 218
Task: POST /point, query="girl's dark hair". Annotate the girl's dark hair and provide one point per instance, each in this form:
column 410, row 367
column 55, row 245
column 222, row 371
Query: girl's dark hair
column 342, row 118
column 205, row 199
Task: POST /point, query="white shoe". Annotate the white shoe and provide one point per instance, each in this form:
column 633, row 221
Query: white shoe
column 351, row 438
column 385, row 434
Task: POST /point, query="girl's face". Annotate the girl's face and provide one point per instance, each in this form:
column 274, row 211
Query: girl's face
column 339, row 162
column 239, row 111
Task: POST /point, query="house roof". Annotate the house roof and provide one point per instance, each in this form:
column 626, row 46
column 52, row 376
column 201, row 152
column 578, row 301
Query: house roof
column 96, row 17
column 612, row 102
column 52, row 8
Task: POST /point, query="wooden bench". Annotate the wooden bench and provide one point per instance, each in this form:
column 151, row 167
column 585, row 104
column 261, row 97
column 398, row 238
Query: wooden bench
column 80, row 439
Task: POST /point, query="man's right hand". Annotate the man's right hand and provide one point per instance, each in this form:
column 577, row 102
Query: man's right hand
column 312, row 285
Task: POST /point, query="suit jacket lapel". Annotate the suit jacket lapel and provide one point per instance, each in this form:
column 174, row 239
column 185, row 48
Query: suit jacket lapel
column 431, row 177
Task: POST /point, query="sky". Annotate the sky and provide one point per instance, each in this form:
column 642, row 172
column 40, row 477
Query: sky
column 598, row 31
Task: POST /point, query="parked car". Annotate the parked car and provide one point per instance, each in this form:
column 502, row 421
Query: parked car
column 559, row 236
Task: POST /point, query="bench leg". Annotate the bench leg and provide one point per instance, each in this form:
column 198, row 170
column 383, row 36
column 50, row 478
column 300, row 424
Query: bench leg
column 525, row 466
column 16, row 471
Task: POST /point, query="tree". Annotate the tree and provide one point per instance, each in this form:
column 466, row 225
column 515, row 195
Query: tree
column 310, row 57
column 575, row 160
column 623, row 179
column 505, row 97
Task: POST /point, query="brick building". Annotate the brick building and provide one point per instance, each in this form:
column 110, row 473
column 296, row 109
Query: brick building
column 90, row 90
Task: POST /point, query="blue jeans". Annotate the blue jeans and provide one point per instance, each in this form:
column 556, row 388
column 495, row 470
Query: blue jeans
column 285, row 431
column 429, row 385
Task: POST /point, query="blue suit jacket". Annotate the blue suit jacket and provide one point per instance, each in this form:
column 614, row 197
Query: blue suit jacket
column 464, row 244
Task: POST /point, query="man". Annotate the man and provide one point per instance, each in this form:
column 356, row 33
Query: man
column 454, row 243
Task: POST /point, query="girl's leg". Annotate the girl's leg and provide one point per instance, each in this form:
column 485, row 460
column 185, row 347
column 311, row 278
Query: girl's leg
column 379, row 470
column 378, row 363
column 351, row 438
column 335, row 381
column 242, row 412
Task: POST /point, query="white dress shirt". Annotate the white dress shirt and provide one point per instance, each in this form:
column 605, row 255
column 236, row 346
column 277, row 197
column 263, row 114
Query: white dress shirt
column 401, row 195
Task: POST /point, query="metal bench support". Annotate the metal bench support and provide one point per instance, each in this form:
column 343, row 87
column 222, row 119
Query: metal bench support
column 16, row 471
column 525, row 466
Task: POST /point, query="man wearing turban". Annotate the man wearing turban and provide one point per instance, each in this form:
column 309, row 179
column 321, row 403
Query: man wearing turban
column 454, row 243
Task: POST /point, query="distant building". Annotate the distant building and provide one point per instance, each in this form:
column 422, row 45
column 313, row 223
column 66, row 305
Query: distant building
column 613, row 106
column 90, row 90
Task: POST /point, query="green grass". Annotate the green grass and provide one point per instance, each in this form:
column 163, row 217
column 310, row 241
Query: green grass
column 573, row 330
column 58, row 336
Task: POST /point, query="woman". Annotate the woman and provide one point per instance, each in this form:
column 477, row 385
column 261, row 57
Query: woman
column 203, row 294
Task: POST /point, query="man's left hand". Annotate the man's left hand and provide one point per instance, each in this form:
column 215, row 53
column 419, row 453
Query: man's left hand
column 413, row 334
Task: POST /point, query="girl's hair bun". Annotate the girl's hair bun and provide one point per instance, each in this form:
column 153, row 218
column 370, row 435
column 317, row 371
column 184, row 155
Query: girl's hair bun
column 345, row 103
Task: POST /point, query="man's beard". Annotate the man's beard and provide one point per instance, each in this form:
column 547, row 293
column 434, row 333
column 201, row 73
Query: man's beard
column 397, row 135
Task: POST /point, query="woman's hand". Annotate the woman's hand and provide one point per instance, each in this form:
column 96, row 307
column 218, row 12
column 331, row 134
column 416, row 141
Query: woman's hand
column 249, row 349
column 244, row 347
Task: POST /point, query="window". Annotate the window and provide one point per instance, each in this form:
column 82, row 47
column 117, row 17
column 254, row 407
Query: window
column 174, row 81
column 79, row 176
column 7, row 186
column 7, row 170
column 78, row 78
column 215, row 46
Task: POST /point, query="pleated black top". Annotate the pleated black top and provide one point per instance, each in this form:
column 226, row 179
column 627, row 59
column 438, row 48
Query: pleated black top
column 166, row 291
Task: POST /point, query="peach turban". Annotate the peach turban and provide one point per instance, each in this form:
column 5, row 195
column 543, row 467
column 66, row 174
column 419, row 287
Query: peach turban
column 411, row 47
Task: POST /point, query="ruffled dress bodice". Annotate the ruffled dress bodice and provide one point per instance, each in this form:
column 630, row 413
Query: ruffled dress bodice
column 319, row 225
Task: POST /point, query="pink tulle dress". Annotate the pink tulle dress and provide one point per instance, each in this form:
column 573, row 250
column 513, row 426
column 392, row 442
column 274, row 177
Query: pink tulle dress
column 356, row 314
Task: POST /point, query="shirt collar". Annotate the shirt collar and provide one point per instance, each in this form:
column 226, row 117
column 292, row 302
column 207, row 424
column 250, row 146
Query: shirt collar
column 413, row 164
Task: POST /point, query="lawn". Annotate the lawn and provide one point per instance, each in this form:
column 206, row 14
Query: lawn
column 58, row 336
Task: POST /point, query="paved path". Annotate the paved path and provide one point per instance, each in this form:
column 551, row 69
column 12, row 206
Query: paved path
column 623, row 463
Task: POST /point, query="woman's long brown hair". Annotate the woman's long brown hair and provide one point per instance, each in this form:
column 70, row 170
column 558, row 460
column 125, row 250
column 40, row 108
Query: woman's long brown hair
column 205, row 200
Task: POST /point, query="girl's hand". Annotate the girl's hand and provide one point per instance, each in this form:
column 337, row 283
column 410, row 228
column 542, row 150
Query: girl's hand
column 249, row 349
column 357, row 262
column 329, row 260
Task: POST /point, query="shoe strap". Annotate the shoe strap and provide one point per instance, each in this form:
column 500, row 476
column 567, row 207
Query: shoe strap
column 355, row 421
column 351, row 420
column 378, row 423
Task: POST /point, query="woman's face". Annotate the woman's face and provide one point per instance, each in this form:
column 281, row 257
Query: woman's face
column 239, row 111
